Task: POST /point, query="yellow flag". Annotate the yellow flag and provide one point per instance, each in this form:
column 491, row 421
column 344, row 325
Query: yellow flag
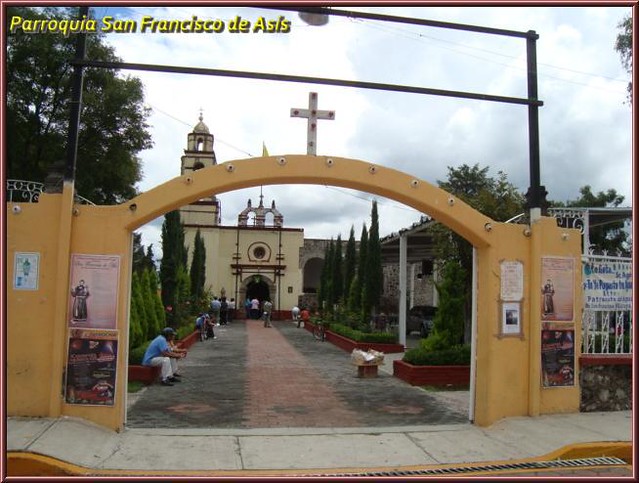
column 264, row 150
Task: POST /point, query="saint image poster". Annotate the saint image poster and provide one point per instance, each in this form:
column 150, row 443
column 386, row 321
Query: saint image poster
column 93, row 294
column 557, row 289
column 91, row 367
column 557, row 357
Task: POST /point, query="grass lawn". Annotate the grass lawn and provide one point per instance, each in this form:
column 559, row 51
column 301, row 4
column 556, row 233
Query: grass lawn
column 134, row 386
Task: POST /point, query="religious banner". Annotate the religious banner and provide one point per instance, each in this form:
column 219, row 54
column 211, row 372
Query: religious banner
column 607, row 284
column 557, row 290
column 557, row 357
column 93, row 297
column 91, row 367
column 26, row 271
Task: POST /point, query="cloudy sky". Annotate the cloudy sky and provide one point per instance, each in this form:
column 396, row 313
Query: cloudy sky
column 585, row 123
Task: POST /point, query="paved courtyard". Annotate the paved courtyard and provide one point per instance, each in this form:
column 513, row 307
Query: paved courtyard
column 256, row 377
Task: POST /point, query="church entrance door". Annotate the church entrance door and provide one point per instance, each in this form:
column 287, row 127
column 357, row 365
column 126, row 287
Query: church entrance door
column 259, row 290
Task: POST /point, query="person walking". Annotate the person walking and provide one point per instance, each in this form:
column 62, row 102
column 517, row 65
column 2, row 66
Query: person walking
column 224, row 311
column 231, row 311
column 295, row 313
column 216, row 305
column 255, row 308
column 268, row 307
column 247, row 307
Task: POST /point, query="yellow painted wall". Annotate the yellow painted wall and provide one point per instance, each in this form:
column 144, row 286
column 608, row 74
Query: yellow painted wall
column 508, row 369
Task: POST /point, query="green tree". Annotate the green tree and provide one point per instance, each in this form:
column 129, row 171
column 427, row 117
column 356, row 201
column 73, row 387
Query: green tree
column 138, row 315
column 141, row 260
column 611, row 237
column 350, row 263
column 623, row 45
column 358, row 290
column 496, row 198
column 113, row 123
column 198, row 267
column 374, row 274
column 157, row 300
column 448, row 324
column 153, row 327
column 174, row 256
column 338, row 272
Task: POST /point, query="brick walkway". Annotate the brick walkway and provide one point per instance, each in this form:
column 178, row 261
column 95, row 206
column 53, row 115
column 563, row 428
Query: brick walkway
column 256, row 377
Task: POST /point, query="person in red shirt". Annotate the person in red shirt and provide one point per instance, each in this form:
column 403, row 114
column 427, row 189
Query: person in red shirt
column 305, row 315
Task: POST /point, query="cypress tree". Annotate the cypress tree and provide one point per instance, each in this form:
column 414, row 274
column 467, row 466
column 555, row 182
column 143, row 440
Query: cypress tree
column 361, row 270
column 136, row 334
column 157, row 300
column 350, row 264
column 198, row 268
column 174, row 256
column 338, row 273
column 137, row 295
column 152, row 325
column 374, row 276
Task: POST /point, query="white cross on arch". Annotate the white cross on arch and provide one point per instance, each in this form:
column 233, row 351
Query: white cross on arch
column 312, row 114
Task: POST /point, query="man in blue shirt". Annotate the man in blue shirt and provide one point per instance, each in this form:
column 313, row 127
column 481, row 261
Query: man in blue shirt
column 159, row 353
column 216, row 305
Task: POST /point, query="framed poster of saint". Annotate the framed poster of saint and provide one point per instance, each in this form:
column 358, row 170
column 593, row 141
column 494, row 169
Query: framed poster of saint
column 557, row 289
column 93, row 294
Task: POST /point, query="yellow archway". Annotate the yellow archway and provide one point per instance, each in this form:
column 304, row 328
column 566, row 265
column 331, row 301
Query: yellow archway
column 508, row 373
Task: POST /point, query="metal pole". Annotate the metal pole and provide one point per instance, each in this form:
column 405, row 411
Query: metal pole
column 536, row 195
column 403, row 251
column 76, row 101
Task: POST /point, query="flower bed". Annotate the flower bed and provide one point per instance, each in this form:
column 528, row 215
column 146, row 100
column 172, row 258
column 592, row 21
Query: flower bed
column 348, row 344
column 432, row 375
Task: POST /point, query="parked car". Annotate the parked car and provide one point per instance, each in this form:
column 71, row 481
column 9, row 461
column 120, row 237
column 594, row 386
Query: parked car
column 420, row 319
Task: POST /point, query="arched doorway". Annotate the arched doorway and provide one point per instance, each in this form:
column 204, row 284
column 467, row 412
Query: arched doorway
column 257, row 288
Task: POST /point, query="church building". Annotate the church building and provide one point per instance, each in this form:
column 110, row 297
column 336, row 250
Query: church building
column 257, row 258
column 260, row 257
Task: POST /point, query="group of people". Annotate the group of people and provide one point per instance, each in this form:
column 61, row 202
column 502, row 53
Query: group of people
column 222, row 310
column 299, row 316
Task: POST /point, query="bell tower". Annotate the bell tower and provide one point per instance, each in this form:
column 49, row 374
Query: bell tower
column 199, row 153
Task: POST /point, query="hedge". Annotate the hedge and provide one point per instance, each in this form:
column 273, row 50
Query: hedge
column 359, row 336
column 455, row 356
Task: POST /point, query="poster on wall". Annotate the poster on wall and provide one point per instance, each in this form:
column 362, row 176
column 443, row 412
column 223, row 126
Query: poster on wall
column 511, row 318
column 91, row 367
column 511, row 280
column 607, row 285
column 557, row 290
column 557, row 357
column 26, row 270
column 93, row 296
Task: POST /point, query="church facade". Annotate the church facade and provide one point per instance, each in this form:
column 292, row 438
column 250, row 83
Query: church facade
column 259, row 257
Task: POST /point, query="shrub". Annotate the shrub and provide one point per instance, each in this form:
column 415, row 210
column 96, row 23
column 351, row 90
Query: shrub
column 359, row 336
column 137, row 354
column 454, row 356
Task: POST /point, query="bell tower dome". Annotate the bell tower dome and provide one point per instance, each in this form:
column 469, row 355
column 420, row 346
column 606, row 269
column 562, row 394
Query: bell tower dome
column 199, row 154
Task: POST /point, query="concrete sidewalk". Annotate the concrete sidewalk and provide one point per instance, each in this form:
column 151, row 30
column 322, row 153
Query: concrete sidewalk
column 290, row 451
